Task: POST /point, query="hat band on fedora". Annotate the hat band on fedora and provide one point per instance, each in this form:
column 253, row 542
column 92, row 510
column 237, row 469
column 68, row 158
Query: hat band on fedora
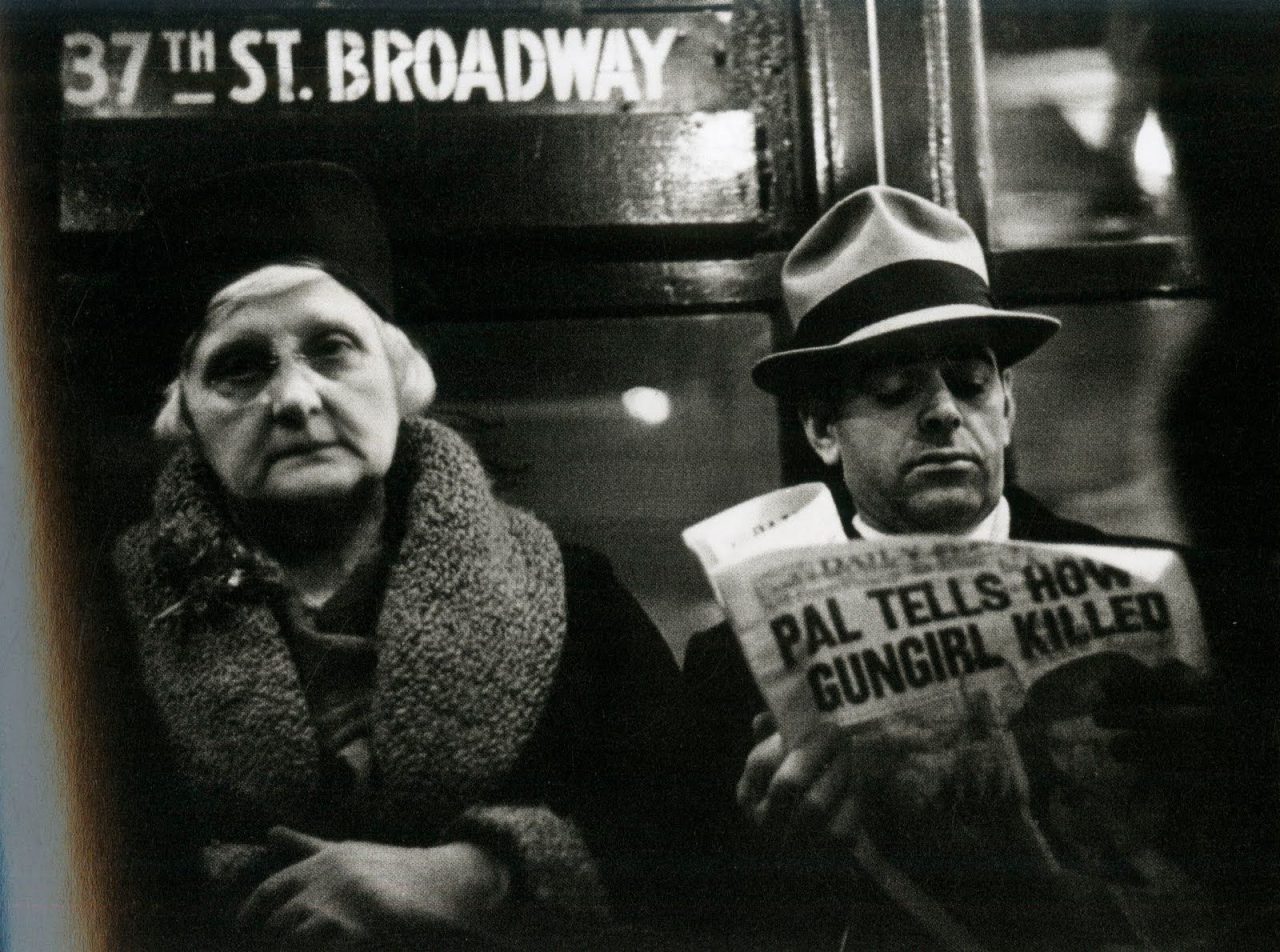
column 899, row 288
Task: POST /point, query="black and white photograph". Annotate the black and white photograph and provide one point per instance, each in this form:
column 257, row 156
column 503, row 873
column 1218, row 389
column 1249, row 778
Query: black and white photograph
column 729, row 475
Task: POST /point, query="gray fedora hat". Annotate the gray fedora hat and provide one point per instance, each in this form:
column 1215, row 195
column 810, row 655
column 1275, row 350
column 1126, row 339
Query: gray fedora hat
column 881, row 266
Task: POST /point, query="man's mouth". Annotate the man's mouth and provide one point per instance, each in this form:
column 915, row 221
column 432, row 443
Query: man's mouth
column 944, row 460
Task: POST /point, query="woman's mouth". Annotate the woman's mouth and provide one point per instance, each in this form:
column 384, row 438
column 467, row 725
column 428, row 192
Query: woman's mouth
column 299, row 450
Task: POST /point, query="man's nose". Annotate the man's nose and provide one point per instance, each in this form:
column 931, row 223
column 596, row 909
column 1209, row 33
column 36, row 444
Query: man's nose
column 293, row 394
column 940, row 412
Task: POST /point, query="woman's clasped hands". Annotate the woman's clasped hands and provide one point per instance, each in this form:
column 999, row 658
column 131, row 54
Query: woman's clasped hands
column 357, row 895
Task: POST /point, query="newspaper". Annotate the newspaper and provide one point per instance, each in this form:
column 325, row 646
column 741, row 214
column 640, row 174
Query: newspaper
column 966, row 674
column 847, row 633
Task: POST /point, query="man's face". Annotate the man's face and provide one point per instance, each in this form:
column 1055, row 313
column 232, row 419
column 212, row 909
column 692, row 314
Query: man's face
column 921, row 439
column 291, row 396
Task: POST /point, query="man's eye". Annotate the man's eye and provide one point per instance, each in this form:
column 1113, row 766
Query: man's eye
column 888, row 389
column 892, row 396
column 969, row 378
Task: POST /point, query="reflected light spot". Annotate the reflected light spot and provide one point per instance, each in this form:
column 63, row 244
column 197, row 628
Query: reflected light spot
column 1151, row 157
column 1090, row 124
column 647, row 404
column 720, row 146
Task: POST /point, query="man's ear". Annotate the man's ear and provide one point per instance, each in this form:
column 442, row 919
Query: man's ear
column 818, row 430
column 1010, row 406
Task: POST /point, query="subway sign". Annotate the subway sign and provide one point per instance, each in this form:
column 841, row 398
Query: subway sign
column 475, row 122
column 641, row 62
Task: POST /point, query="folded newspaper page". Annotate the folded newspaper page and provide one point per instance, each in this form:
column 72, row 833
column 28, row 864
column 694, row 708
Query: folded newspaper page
column 848, row 633
column 785, row 518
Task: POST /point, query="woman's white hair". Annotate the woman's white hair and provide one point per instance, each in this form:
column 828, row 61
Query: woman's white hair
column 415, row 381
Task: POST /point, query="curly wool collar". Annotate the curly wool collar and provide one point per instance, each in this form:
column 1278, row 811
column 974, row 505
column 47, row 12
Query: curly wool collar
column 469, row 637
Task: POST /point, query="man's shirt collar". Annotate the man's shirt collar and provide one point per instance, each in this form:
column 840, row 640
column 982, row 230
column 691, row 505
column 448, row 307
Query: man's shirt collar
column 994, row 528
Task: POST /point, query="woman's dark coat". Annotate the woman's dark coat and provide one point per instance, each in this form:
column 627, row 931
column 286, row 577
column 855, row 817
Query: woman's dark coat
column 522, row 699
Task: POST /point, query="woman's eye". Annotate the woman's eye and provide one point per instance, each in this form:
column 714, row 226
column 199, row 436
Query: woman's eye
column 331, row 347
column 239, row 369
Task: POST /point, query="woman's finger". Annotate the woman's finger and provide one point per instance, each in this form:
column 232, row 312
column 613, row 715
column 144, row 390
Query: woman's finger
column 294, row 845
column 316, row 933
column 285, row 921
column 271, row 894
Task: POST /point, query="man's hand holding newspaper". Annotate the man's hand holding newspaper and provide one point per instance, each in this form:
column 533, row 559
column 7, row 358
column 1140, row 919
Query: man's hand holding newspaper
column 810, row 790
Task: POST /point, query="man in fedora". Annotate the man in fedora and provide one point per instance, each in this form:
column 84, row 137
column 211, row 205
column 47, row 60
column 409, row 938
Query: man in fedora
column 900, row 366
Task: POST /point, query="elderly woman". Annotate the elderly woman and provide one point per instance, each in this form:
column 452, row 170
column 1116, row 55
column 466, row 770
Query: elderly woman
column 396, row 707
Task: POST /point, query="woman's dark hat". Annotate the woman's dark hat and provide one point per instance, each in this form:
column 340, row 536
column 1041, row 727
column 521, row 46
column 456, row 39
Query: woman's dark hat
column 881, row 266
column 200, row 238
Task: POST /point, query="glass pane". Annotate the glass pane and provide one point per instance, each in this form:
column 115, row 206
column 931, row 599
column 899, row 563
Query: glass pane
column 618, row 433
column 1079, row 154
column 1100, row 452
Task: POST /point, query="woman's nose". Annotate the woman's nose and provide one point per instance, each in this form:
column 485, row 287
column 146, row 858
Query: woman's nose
column 293, row 394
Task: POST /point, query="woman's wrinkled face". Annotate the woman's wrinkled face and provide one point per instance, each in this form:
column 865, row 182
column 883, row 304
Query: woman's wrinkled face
column 290, row 394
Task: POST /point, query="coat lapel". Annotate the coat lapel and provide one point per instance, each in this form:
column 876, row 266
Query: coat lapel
column 472, row 629
column 212, row 654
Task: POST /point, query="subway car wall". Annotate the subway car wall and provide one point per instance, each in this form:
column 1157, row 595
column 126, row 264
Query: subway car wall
column 589, row 207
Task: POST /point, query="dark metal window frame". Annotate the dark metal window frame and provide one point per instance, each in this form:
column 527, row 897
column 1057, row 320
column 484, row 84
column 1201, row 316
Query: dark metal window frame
column 916, row 68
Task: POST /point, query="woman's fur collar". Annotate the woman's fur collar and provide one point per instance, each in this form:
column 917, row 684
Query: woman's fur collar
column 469, row 638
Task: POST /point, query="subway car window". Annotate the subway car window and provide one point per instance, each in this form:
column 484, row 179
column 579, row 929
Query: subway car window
column 1108, row 462
column 619, row 432
column 1079, row 151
